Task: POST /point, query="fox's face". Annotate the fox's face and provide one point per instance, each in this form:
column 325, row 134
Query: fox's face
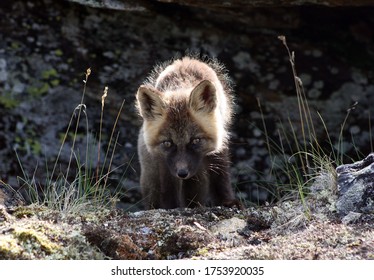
column 180, row 127
column 183, row 159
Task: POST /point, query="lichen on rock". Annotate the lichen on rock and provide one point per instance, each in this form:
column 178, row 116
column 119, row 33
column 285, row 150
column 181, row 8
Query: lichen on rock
column 356, row 187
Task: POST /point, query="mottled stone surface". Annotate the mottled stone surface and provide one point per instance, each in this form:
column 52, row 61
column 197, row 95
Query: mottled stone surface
column 356, row 187
column 129, row 5
column 46, row 47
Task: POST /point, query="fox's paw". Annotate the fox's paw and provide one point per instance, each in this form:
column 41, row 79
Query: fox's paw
column 234, row 203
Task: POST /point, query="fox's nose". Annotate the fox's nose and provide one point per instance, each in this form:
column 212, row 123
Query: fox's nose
column 182, row 173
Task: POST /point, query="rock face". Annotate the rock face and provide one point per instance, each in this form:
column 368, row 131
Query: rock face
column 356, row 187
column 46, row 47
column 131, row 5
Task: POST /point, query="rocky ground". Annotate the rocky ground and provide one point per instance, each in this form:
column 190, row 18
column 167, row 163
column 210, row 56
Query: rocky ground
column 47, row 46
column 288, row 230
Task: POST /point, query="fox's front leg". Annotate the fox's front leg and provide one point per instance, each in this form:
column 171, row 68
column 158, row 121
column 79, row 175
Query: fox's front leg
column 195, row 191
column 220, row 182
column 169, row 190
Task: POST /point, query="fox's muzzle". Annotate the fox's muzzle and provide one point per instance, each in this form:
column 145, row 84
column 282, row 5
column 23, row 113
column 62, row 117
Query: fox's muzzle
column 182, row 171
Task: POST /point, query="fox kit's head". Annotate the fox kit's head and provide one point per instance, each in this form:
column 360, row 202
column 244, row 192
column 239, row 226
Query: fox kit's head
column 181, row 127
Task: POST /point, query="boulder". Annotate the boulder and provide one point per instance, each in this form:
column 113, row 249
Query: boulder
column 356, row 187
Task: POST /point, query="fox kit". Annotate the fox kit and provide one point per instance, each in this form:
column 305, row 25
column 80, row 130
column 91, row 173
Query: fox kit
column 186, row 108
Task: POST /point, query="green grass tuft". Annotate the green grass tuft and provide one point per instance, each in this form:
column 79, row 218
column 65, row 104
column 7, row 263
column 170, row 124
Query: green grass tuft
column 298, row 158
column 80, row 187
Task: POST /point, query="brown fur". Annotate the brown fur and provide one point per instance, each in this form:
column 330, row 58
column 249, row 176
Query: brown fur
column 186, row 108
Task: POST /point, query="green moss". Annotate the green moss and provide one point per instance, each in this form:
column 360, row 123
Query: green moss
column 58, row 52
column 29, row 239
column 9, row 248
column 71, row 136
column 49, row 78
column 55, row 82
column 118, row 53
column 50, row 73
column 8, row 100
column 35, row 240
column 202, row 251
column 38, row 91
column 30, row 144
column 36, row 147
column 15, row 45
column 22, row 212
column 44, row 236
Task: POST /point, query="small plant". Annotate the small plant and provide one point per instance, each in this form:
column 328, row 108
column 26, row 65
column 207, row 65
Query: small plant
column 79, row 187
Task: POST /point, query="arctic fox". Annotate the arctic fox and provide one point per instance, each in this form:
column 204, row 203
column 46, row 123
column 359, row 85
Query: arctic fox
column 186, row 107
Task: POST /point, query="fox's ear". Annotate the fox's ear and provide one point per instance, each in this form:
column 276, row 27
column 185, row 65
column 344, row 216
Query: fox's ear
column 150, row 104
column 203, row 97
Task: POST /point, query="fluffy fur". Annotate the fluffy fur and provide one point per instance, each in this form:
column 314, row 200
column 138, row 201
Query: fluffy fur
column 186, row 106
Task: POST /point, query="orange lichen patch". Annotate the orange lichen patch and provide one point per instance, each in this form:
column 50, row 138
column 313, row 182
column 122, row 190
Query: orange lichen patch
column 128, row 250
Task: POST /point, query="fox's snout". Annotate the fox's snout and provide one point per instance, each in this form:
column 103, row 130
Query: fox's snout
column 182, row 171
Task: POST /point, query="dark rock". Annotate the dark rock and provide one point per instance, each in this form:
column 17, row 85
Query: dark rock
column 356, row 187
column 122, row 5
column 46, row 46
column 128, row 5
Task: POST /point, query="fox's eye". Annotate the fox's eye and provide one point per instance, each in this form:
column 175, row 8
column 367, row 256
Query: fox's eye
column 195, row 141
column 167, row 144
